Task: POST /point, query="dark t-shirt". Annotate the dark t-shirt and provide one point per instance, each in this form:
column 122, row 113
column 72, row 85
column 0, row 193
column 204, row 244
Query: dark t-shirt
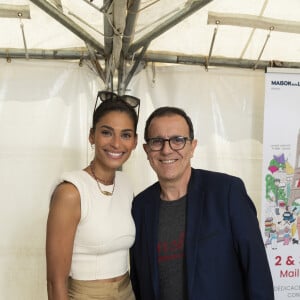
column 170, row 248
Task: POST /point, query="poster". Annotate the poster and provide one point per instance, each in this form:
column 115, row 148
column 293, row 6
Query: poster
column 281, row 180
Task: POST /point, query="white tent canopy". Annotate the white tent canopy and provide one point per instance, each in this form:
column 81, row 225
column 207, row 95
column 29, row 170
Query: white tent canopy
column 234, row 33
column 54, row 57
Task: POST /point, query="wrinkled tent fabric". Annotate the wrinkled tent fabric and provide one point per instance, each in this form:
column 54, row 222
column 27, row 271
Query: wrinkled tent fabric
column 193, row 36
column 45, row 116
column 226, row 106
column 44, row 110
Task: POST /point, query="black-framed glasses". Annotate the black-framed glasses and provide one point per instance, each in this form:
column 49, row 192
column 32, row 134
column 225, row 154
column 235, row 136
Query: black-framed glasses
column 128, row 99
column 175, row 142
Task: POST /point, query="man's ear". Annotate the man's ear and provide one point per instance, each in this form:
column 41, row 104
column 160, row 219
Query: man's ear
column 194, row 145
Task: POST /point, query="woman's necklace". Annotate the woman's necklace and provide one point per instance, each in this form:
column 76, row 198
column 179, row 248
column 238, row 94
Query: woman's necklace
column 98, row 180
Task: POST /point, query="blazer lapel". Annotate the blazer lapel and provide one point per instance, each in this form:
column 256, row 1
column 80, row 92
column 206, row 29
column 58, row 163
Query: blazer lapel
column 195, row 200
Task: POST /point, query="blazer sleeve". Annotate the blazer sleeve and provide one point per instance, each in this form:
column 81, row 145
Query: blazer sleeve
column 249, row 244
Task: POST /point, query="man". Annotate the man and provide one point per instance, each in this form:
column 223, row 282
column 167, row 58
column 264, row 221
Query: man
column 197, row 234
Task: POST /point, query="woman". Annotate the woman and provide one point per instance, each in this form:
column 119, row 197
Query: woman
column 90, row 228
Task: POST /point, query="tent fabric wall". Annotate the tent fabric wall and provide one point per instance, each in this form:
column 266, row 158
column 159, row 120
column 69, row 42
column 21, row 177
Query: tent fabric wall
column 44, row 122
column 226, row 107
column 45, row 115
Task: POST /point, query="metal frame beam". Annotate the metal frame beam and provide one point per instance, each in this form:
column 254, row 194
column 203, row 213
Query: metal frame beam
column 14, row 11
column 251, row 21
column 216, row 61
column 130, row 25
column 150, row 56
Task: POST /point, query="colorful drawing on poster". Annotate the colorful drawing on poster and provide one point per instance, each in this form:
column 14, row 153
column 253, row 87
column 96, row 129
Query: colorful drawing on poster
column 282, row 195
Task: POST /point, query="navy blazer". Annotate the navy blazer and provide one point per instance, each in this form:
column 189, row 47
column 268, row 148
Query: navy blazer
column 224, row 252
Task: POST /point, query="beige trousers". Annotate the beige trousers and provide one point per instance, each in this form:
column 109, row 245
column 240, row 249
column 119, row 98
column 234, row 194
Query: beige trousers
column 92, row 290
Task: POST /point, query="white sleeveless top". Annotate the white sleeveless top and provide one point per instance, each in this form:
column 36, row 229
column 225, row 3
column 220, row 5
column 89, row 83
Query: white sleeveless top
column 106, row 229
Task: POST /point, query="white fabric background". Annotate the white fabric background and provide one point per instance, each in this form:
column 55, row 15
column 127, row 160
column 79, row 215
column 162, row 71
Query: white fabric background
column 226, row 107
column 45, row 115
column 43, row 129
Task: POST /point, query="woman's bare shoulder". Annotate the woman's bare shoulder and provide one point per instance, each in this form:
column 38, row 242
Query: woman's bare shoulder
column 65, row 193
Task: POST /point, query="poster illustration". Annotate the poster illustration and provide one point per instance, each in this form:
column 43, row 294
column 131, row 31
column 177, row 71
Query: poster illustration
column 281, row 181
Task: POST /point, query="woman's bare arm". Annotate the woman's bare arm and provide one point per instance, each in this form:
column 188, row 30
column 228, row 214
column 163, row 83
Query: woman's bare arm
column 63, row 218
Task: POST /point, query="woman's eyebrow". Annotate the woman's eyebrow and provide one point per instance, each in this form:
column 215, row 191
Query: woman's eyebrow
column 111, row 128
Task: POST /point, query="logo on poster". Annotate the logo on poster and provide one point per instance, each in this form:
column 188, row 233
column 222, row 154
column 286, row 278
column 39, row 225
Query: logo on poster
column 284, row 83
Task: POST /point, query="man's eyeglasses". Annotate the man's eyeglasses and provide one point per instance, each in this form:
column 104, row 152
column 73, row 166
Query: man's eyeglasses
column 175, row 142
column 130, row 100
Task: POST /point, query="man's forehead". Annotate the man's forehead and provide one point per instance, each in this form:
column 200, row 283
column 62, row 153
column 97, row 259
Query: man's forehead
column 169, row 123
